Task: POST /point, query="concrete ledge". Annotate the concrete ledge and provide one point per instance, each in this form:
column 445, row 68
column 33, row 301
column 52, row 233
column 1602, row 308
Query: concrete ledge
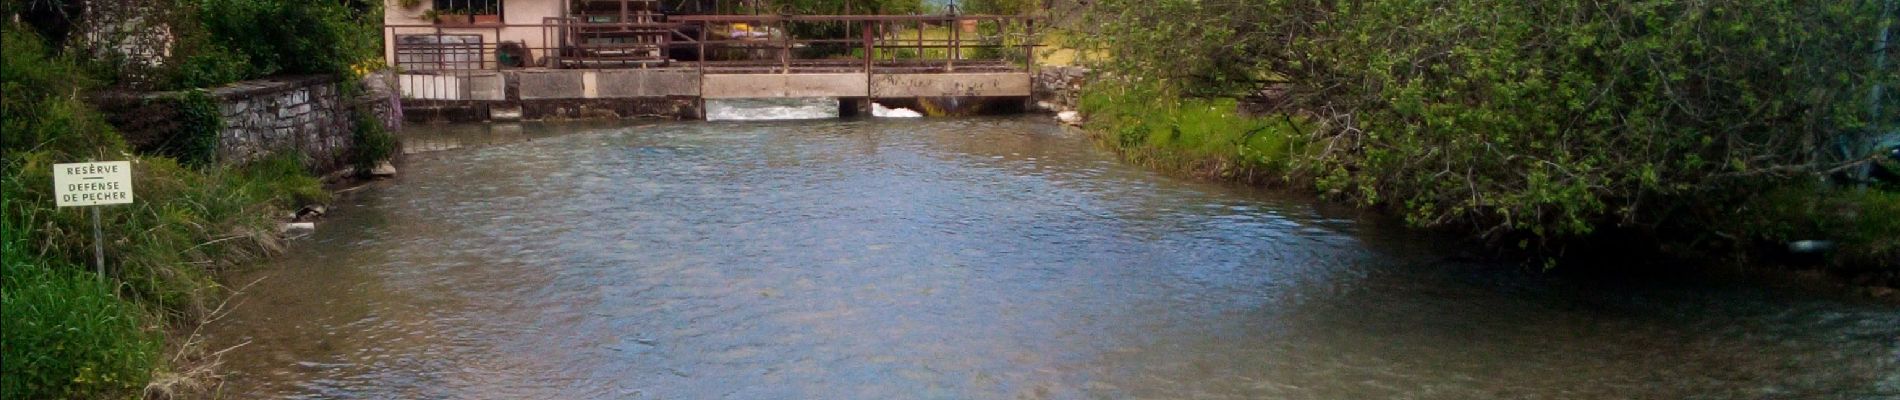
column 566, row 84
column 1001, row 84
column 485, row 87
column 430, row 87
column 644, row 83
column 750, row 86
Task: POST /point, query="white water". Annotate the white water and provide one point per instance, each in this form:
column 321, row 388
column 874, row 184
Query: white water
column 771, row 109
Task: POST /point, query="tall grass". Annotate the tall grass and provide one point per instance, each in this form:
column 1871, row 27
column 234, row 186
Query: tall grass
column 1202, row 137
column 66, row 334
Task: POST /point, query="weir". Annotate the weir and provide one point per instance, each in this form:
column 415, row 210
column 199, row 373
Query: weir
column 631, row 65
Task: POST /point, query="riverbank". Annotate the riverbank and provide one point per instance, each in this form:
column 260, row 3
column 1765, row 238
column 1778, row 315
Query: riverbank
column 1212, row 139
column 204, row 206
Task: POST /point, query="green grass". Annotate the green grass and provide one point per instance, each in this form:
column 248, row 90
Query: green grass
column 1202, row 137
column 67, row 335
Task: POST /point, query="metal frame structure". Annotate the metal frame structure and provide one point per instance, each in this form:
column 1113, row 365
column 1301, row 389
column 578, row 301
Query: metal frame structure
column 715, row 44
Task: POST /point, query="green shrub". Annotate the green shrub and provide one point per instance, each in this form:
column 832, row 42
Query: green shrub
column 1533, row 120
column 1864, row 223
column 42, row 106
column 197, row 126
column 286, row 36
column 370, row 141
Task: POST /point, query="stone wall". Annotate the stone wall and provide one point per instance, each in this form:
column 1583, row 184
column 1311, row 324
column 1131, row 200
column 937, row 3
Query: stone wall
column 306, row 114
column 1059, row 89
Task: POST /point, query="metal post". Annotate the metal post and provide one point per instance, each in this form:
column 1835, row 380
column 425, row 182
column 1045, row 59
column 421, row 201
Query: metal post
column 1029, row 45
column 870, row 47
column 98, row 245
column 785, row 47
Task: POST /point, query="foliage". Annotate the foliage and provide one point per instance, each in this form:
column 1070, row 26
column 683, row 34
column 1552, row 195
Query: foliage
column 195, row 141
column 42, row 106
column 999, row 7
column 837, row 7
column 290, row 36
column 370, row 141
column 1866, row 223
column 1532, row 120
column 1198, row 136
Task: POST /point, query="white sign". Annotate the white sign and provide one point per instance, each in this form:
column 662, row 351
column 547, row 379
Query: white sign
column 92, row 184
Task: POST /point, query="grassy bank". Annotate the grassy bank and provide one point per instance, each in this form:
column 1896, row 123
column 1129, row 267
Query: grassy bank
column 1201, row 137
column 67, row 333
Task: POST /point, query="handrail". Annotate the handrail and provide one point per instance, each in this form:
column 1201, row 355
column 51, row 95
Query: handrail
column 870, row 40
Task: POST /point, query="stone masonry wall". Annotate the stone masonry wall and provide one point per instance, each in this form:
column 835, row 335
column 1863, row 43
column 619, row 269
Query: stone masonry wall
column 262, row 117
column 1059, row 89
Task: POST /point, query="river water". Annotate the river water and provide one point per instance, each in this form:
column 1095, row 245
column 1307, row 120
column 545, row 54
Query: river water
column 960, row 258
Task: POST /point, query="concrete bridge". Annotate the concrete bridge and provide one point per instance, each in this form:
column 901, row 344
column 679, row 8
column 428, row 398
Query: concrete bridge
column 671, row 69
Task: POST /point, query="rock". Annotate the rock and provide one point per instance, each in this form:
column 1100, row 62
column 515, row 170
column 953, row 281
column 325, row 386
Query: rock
column 505, row 114
column 878, row 110
column 1070, row 117
column 299, row 228
column 309, row 213
column 383, row 169
column 1810, row 246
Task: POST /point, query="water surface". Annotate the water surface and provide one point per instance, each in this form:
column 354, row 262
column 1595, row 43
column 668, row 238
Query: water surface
column 964, row 258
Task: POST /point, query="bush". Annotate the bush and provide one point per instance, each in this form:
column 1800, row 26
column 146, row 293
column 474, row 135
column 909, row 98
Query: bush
column 370, row 141
column 1864, row 223
column 197, row 124
column 1533, row 120
column 290, row 36
column 42, row 107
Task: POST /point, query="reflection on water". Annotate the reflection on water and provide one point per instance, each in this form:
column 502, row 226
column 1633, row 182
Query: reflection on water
column 970, row 258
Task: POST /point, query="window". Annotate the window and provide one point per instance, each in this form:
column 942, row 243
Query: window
column 479, row 7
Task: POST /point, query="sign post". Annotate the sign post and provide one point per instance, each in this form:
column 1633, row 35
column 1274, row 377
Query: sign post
column 91, row 185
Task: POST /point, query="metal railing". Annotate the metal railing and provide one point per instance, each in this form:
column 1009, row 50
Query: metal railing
column 726, row 44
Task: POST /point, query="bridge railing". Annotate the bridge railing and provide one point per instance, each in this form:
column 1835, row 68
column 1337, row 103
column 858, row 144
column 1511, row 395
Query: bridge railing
column 725, row 44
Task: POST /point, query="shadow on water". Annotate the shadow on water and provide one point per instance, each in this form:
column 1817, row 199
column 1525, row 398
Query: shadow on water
column 961, row 258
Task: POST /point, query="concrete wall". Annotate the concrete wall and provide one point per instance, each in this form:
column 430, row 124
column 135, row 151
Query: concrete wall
column 744, row 86
column 951, row 85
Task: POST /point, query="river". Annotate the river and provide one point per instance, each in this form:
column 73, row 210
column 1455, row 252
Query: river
column 985, row 258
